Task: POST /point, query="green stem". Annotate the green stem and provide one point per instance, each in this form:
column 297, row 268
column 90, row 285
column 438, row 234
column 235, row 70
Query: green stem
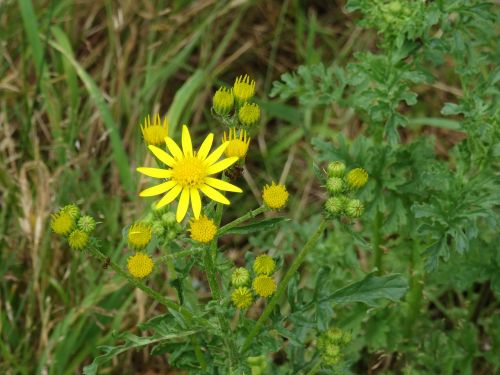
column 283, row 285
column 377, row 239
column 187, row 315
column 179, row 254
column 315, row 369
column 240, row 220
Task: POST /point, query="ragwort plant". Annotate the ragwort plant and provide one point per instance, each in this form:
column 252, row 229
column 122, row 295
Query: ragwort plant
column 246, row 318
column 430, row 215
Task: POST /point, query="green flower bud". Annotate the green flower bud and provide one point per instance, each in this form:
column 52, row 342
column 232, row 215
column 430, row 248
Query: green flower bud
column 240, row 277
column 86, row 223
column 336, row 169
column 249, row 114
column 72, row 210
column 354, row 208
column 171, row 234
column 335, row 205
column 158, row 229
column 223, row 101
column 335, row 185
column 168, row 218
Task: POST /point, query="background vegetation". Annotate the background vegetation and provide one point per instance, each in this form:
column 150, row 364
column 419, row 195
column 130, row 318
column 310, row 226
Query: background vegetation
column 76, row 78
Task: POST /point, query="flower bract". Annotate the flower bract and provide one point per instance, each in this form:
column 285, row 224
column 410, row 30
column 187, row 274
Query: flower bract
column 242, row 297
column 188, row 173
column 275, row 196
column 154, row 133
column 140, row 265
column 238, row 145
column 202, row 229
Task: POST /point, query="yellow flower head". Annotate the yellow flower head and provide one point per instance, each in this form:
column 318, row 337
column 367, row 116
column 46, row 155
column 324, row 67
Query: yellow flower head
column 264, row 265
column 189, row 172
column 264, row 286
column 357, row 178
column 78, row 239
column 238, row 146
column 154, row 134
column 240, row 276
column 242, row 297
column 249, row 114
column 139, row 235
column 223, row 101
column 62, row 222
column 275, row 196
column 140, row 265
column 243, row 88
column 72, row 210
column 202, row 229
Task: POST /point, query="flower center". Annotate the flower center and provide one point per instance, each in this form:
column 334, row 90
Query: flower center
column 189, row 172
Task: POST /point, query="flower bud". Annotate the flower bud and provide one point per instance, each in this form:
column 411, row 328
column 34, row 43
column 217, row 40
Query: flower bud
column 240, row 277
column 336, row 169
column 354, row 208
column 86, row 223
column 335, row 185
column 223, row 101
column 335, row 205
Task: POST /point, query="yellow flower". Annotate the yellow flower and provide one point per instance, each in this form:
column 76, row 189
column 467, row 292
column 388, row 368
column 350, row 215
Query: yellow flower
column 242, row 297
column 139, row 235
column 275, row 196
column 240, row 276
column 357, row 178
column 238, row 146
column 62, row 223
column 243, row 88
column 155, row 133
column 223, row 101
column 140, row 265
column 264, row 286
column 249, row 114
column 202, row 229
column 264, row 265
column 78, row 239
column 189, row 172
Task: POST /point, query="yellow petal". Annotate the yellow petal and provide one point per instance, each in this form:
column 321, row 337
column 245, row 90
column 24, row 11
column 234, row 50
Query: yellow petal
column 195, row 202
column 173, row 148
column 221, row 165
column 158, row 189
column 214, row 194
column 170, row 196
column 222, row 185
column 187, row 145
column 155, row 172
column 206, row 146
column 162, row 155
column 183, row 205
column 214, row 156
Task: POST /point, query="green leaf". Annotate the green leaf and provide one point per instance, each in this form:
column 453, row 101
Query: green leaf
column 371, row 290
column 256, row 226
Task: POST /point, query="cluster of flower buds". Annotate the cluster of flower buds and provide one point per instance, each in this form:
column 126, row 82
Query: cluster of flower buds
column 163, row 223
column 262, row 282
column 69, row 222
column 330, row 344
column 341, row 188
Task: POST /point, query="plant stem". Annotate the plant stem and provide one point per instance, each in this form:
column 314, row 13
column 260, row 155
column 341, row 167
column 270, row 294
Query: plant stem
column 179, row 254
column 377, row 239
column 240, row 220
column 315, row 369
column 187, row 315
column 283, row 285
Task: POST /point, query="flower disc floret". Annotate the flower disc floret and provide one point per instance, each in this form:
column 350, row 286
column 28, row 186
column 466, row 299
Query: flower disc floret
column 275, row 196
column 264, row 265
column 189, row 173
column 238, row 145
column 336, row 169
column 202, row 229
column 86, row 223
column 354, row 208
column 139, row 235
column 264, row 286
column 357, row 178
column 335, row 185
column 78, row 239
column 154, row 133
column 240, row 277
column 140, row 265
column 243, row 88
column 249, row 114
column 62, row 223
column 242, row 297
column 223, row 101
